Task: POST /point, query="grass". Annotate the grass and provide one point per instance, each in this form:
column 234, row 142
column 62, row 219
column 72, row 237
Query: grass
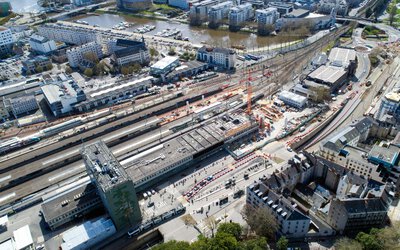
column 329, row 46
column 5, row 19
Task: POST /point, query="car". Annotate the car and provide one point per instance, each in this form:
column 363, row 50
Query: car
column 148, row 193
column 145, row 195
column 289, row 149
column 150, row 204
column 153, row 192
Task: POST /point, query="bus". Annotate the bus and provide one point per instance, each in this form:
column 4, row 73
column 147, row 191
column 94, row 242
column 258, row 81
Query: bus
column 253, row 57
column 241, row 58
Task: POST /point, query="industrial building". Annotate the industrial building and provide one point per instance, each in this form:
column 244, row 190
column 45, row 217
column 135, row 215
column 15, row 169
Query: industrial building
column 292, row 99
column 114, row 185
column 334, row 77
column 164, row 66
column 345, row 58
column 187, row 69
column 114, row 92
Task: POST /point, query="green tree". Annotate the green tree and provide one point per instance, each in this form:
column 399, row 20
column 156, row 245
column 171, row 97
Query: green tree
column 88, row 72
column 153, row 52
column 171, row 51
column 136, row 68
column 39, row 69
column 125, row 71
column 260, row 243
column 230, row 228
column 223, row 241
column 91, row 57
column 392, row 14
column 390, row 237
column 173, row 245
column 347, row 244
column 49, row 66
column 260, row 221
column 98, row 69
column 282, row 243
column 68, row 70
column 368, row 241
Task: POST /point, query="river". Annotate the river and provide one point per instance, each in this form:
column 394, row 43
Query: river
column 222, row 38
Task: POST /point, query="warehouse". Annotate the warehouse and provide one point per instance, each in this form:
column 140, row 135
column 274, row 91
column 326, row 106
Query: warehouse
column 334, row 77
column 292, row 99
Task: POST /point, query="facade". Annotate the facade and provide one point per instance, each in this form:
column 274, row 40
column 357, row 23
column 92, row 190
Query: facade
column 5, row 8
column 114, row 186
column 113, row 93
column 6, row 40
column 181, row 4
column 62, row 96
column 340, row 6
column 134, row 5
column 219, row 57
column 292, row 99
column 128, row 52
column 217, row 13
column 390, row 105
column 240, row 14
column 282, row 7
column 199, row 11
column 82, row 2
column 23, row 105
column 66, row 34
column 267, row 16
column 41, row 44
column 164, row 66
column 77, row 54
column 31, row 66
column 67, row 204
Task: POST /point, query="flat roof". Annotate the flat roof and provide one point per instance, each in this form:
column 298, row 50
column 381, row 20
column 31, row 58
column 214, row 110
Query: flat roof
column 165, row 62
column 106, row 89
column 7, row 245
column 342, row 56
column 393, row 96
column 22, row 237
column 160, row 158
column 388, row 155
column 292, row 96
column 328, row 74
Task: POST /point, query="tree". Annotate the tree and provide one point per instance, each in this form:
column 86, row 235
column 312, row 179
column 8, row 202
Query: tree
column 173, row 245
column 223, row 241
column 282, row 243
column 88, row 72
column 39, row 69
column 347, row 244
column 211, row 223
column 49, row 66
column 136, row 68
column 259, row 243
column 99, row 69
column 68, row 70
column 125, row 71
column 91, row 57
column 153, row 52
column 390, row 237
column 260, row 221
column 368, row 12
column 368, row 241
column 392, row 14
column 230, row 228
column 171, row 51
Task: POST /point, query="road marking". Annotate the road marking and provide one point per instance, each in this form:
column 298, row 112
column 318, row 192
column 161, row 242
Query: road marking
column 6, row 197
column 5, row 178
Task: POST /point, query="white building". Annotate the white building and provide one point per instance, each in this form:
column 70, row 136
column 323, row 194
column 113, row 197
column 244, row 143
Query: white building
column 164, row 66
column 199, row 11
column 340, row 6
column 240, row 14
column 267, row 16
column 41, row 44
column 68, row 34
column 76, row 55
column 6, row 40
column 292, row 99
column 219, row 12
column 23, row 105
column 390, row 105
column 23, row 238
column 220, row 57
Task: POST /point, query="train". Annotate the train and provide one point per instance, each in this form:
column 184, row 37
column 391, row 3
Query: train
column 16, row 142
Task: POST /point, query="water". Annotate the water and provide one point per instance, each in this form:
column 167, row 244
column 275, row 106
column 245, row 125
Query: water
column 221, row 38
column 23, row 6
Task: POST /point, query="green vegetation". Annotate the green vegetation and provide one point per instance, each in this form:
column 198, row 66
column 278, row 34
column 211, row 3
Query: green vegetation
column 163, row 9
column 394, row 14
column 387, row 238
column 372, row 31
column 135, row 68
column 88, row 72
column 229, row 236
column 5, row 19
column 282, row 243
column 329, row 46
column 261, row 222
column 188, row 56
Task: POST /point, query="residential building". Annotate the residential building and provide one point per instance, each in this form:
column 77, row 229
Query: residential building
column 199, row 11
column 36, row 65
column 114, row 186
column 79, row 54
column 88, row 234
column 68, row 34
column 292, row 99
column 82, row 2
column 5, row 8
column 134, row 5
column 6, row 40
column 222, row 58
column 390, row 106
column 23, row 105
column 217, row 13
column 164, row 66
column 282, row 7
column 41, row 44
column 267, row 16
column 238, row 15
column 341, row 7
column 313, row 20
column 62, row 96
column 127, row 52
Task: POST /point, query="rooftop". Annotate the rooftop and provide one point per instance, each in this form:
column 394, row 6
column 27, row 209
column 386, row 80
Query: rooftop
column 22, row 237
column 292, row 96
column 55, row 92
column 165, row 62
column 207, row 49
column 103, row 166
column 342, row 57
column 388, row 155
column 393, row 96
column 38, row 39
column 328, row 74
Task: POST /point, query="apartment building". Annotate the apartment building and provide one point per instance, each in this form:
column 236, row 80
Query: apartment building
column 390, row 106
column 6, row 40
column 267, row 16
column 340, row 6
column 199, row 11
column 240, row 14
column 78, row 54
column 222, row 58
column 67, row 34
column 41, row 45
column 217, row 13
